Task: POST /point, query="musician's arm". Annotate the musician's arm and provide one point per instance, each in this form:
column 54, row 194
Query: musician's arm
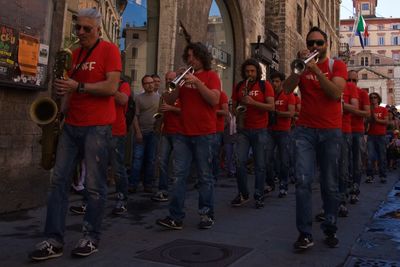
column 286, row 114
column 171, row 96
column 210, row 96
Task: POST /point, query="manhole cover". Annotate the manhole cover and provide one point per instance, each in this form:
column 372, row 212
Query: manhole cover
column 195, row 253
column 368, row 262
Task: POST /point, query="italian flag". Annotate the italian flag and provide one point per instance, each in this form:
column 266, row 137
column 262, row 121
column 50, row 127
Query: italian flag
column 362, row 27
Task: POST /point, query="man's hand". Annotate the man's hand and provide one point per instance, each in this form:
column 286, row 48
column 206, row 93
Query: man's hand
column 64, row 87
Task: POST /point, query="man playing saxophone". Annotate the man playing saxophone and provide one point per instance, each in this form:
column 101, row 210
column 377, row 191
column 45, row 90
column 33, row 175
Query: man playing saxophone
column 258, row 96
column 91, row 111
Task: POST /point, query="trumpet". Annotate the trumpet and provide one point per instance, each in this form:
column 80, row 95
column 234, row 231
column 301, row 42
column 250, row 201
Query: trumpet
column 299, row 65
column 179, row 81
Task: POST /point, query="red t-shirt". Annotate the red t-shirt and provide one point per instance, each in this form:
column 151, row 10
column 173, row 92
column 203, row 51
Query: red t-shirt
column 172, row 120
column 378, row 128
column 197, row 116
column 255, row 118
column 282, row 102
column 223, row 99
column 86, row 109
column 350, row 92
column 317, row 109
column 119, row 125
column 357, row 122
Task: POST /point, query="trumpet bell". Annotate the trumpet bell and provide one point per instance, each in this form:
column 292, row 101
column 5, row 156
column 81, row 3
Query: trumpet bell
column 241, row 109
column 43, row 110
column 158, row 116
column 298, row 66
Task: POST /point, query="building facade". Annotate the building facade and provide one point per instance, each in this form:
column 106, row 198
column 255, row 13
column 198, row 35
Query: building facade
column 381, row 54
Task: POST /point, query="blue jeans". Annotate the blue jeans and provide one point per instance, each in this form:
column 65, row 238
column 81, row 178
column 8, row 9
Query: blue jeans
column 201, row 149
column 94, row 141
column 281, row 140
column 217, row 149
column 376, row 151
column 356, row 162
column 165, row 155
column 344, row 166
column 118, row 144
column 229, row 158
column 144, row 154
column 257, row 140
column 324, row 145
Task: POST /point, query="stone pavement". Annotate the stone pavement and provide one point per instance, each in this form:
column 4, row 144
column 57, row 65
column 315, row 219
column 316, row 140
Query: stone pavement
column 242, row 236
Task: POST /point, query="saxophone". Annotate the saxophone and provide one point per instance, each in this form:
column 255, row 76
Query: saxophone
column 46, row 112
column 241, row 108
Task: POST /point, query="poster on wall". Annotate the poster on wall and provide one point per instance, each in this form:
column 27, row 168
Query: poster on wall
column 8, row 51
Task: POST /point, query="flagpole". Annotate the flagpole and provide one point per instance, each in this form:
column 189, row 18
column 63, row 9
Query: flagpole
column 351, row 43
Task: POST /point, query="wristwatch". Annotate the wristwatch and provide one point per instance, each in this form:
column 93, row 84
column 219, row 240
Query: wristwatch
column 81, row 88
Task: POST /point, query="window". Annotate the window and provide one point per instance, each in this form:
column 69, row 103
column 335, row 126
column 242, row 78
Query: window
column 135, row 36
column 299, row 19
column 134, row 52
column 390, row 90
column 350, row 28
column 364, row 61
column 395, row 40
column 364, row 76
column 377, row 61
column 351, row 61
column 381, row 40
column 380, row 27
column 134, row 75
column 390, row 71
column 395, row 27
column 364, row 6
column 366, row 41
column 396, row 56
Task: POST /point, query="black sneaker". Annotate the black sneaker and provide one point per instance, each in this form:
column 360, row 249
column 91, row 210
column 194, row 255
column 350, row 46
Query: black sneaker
column 206, row 222
column 320, row 217
column 259, row 202
column 80, row 210
column 239, row 200
column 282, row 193
column 268, row 189
column 45, row 250
column 369, row 180
column 343, row 211
column 84, row 248
column 170, row 223
column 331, row 240
column 160, row 196
column 383, row 180
column 354, row 199
column 120, row 207
column 303, row 242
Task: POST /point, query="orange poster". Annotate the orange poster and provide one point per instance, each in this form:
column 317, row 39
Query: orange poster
column 28, row 54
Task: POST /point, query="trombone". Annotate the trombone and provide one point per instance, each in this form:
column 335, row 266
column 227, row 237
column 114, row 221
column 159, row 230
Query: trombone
column 179, row 81
column 299, row 65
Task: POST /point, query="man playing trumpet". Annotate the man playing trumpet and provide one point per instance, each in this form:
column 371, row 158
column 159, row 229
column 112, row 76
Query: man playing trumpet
column 318, row 136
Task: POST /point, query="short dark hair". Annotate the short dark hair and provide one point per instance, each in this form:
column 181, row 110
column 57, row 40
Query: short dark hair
column 155, row 76
column 252, row 62
column 200, row 52
column 379, row 97
column 145, row 76
column 277, row 74
column 317, row 29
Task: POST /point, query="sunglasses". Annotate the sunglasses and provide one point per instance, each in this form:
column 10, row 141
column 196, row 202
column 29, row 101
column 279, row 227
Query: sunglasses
column 352, row 80
column 317, row 42
column 87, row 29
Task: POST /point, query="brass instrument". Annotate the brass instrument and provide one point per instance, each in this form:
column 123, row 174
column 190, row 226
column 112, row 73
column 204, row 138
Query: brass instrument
column 241, row 108
column 159, row 118
column 179, row 81
column 46, row 112
column 299, row 65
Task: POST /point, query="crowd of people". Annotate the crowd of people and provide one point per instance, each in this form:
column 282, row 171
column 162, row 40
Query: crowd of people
column 327, row 128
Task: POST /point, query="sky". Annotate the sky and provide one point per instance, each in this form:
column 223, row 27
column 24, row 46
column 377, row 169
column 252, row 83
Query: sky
column 385, row 8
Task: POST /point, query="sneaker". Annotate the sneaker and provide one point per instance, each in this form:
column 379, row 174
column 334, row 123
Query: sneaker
column 383, row 180
column 259, row 203
column 45, row 250
column 303, row 242
column 353, row 199
column 369, row 180
column 84, row 248
column 320, row 217
column 120, row 207
column 331, row 240
column 268, row 189
column 80, row 210
column 206, row 222
column 170, row 223
column 160, row 196
column 239, row 200
column 343, row 212
column 282, row 193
